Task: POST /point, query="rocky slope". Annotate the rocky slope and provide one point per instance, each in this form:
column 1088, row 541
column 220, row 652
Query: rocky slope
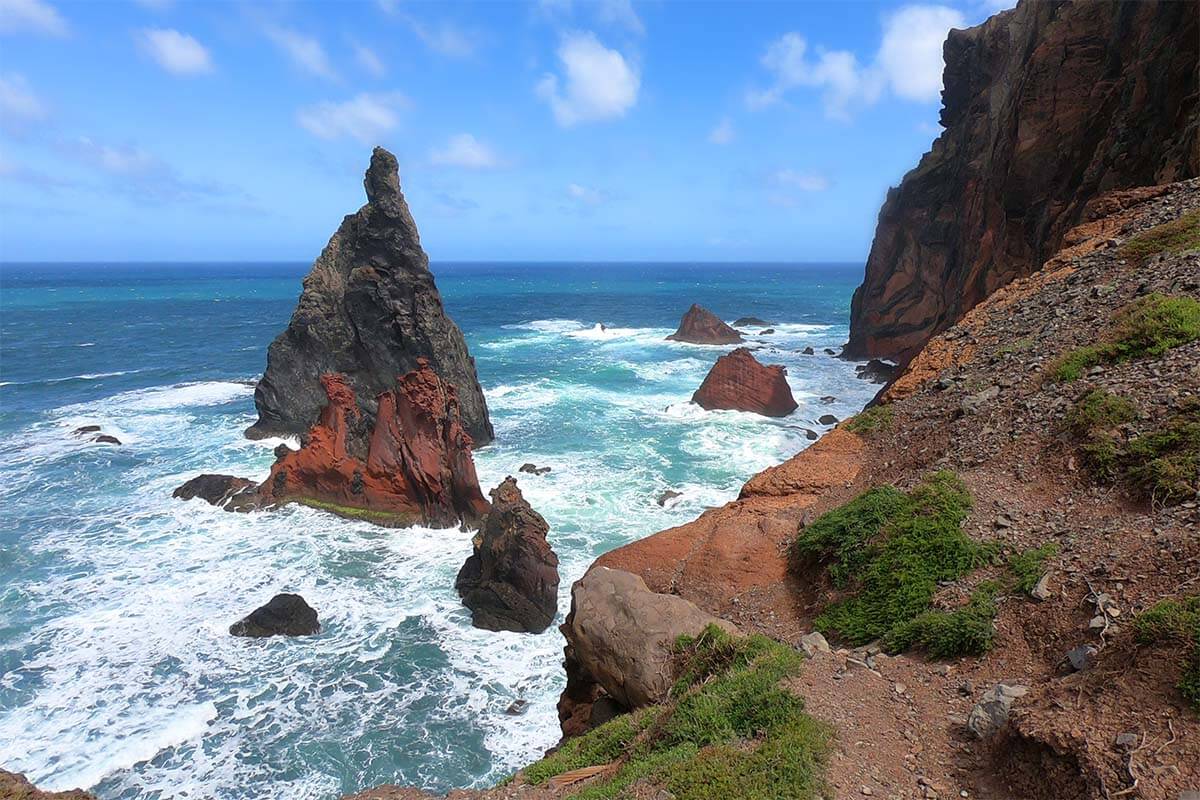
column 1045, row 107
column 369, row 310
column 738, row 382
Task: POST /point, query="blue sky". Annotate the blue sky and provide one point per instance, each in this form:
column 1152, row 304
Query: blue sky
column 552, row 130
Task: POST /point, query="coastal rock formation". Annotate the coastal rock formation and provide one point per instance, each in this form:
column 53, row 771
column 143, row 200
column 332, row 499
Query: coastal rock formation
column 368, row 311
column 1045, row 107
column 16, row 787
column 283, row 615
column 701, row 326
column 620, row 637
column 510, row 582
column 750, row 322
column 739, row 383
column 224, row 491
column 408, row 464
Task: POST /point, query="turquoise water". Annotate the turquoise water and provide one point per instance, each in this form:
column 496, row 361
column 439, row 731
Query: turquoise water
column 116, row 670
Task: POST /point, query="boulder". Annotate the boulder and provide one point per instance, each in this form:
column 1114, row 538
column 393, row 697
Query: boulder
column 667, row 495
column 620, row 635
column 1045, row 107
column 217, row 490
column 369, row 310
column 750, row 322
column 284, row 615
column 813, row 643
column 738, row 382
column 827, row 419
column 533, row 469
column 876, row 371
column 106, row 438
column 808, row 351
column 83, row 430
column 408, row 464
column 766, row 332
column 990, row 714
column 510, row 582
column 701, row 326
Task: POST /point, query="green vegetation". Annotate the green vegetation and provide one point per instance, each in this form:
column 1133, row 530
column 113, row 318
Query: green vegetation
column 1172, row 237
column 728, row 729
column 349, row 512
column 1028, row 566
column 1176, row 621
column 872, row 420
column 891, row 549
column 1098, row 410
column 1150, row 326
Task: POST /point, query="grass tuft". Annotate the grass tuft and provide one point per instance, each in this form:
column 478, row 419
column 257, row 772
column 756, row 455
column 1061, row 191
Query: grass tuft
column 1147, row 327
column 1172, row 237
column 1176, row 621
column 947, row 634
column 870, row 421
column 1098, row 411
column 1029, row 566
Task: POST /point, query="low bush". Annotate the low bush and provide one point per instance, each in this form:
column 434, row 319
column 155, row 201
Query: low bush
column 1147, row 327
column 1176, row 621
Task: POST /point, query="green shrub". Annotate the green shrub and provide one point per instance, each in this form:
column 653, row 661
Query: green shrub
column 870, row 421
column 1098, row 410
column 1176, row 621
column 1147, row 327
column 947, row 634
column 598, row 746
column 1164, row 465
column 1172, row 237
column 892, row 549
column 1028, row 566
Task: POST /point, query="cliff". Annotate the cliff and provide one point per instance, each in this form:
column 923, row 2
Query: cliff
column 368, row 311
column 1044, row 108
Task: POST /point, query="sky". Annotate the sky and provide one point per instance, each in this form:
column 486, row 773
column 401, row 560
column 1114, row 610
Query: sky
column 167, row 130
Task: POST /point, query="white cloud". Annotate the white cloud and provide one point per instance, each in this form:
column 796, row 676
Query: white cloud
column 18, row 102
column 35, row 16
column 464, row 150
column 369, row 60
column 723, row 133
column 176, row 52
column 122, row 160
column 802, row 181
column 599, row 83
column 305, row 52
column 908, row 62
column 620, row 12
column 585, row 195
column 444, row 39
column 911, row 53
column 365, row 117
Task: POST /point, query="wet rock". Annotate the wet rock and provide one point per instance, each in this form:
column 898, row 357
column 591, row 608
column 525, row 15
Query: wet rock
column 701, row 326
column 517, row 707
column 369, row 310
column 510, row 582
column 217, row 490
column 827, row 419
column 284, row 615
column 767, row 332
column 876, row 371
column 750, row 322
column 990, row 714
column 85, row 429
column 808, row 351
column 533, row 469
column 830, row 352
column 811, row 435
column 667, row 496
column 105, row 438
column 739, row 382
column 827, row 399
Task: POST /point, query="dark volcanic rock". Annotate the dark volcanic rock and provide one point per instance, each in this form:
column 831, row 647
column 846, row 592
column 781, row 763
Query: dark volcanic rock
column 83, row 429
column 533, row 469
column 368, row 311
column 876, row 371
column 750, row 322
column 667, row 496
column 510, row 582
column 225, row 491
column 410, row 465
column 105, row 438
column 827, row 419
column 738, row 382
column 808, row 351
column 1045, row 107
column 701, row 326
column 284, row 615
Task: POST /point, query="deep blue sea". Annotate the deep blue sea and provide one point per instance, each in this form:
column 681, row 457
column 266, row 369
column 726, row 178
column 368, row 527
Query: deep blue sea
column 116, row 669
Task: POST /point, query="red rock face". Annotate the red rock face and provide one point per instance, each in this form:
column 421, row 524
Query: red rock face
column 739, row 383
column 701, row 326
column 413, row 466
column 1045, row 107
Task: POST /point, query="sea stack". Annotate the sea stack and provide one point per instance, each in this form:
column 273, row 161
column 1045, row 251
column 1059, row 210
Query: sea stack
column 1045, row 107
column 369, row 310
column 701, row 326
column 510, row 582
column 409, row 464
column 738, row 382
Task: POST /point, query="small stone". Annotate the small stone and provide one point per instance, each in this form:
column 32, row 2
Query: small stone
column 990, row 714
column 901, row 688
column 1098, row 622
column 1081, row 657
column 1127, row 741
column 1003, row 521
column 813, row 643
column 867, row 791
column 1041, row 589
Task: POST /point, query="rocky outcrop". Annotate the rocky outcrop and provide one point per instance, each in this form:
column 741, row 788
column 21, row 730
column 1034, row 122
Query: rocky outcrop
column 701, row 326
column 620, row 637
column 16, row 787
column 1045, row 107
column 738, row 382
column 408, row 464
column 750, row 322
column 369, row 311
column 224, row 491
column 283, row 615
column 510, row 582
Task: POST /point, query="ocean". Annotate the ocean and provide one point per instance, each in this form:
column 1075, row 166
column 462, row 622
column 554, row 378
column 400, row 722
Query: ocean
column 117, row 672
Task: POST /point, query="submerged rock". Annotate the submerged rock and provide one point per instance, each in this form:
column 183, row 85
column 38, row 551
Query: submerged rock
column 410, row 464
column 533, row 469
column 106, row 438
column 738, row 382
column 510, row 582
column 750, row 322
column 667, row 496
column 701, row 326
column 369, row 310
column 86, row 429
column 283, row 615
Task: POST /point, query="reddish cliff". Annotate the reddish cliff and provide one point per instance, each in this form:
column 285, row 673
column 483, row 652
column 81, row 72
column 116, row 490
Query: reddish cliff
column 412, row 466
column 701, row 326
column 1045, row 107
column 739, row 383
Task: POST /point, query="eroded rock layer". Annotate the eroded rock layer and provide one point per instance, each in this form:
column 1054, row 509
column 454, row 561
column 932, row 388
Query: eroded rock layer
column 368, row 311
column 1045, row 107
column 738, row 382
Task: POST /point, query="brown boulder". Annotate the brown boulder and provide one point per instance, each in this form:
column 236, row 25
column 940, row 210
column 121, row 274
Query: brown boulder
column 701, row 326
column 16, row 787
column 620, row 637
column 510, row 582
column 739, row 383
column 412, row 466
column 1045, row 107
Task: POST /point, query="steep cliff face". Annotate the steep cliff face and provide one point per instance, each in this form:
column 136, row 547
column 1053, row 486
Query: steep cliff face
column 1045, row 107
column 368, row 311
